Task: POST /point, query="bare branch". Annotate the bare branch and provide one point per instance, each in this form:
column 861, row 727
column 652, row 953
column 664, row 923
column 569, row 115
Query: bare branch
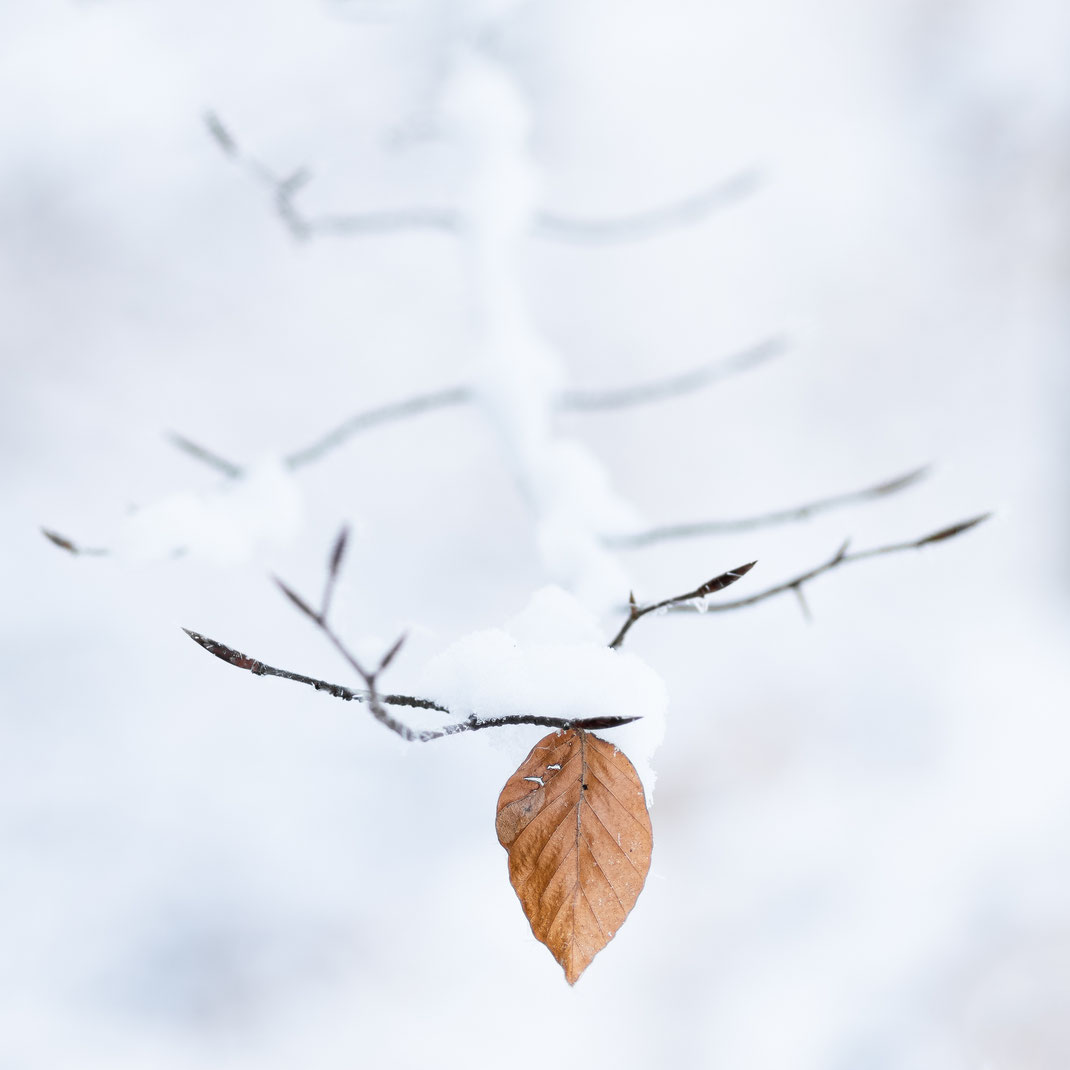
column 363, row 421
column 284, row 190
column 470, row 724
column 781, row 516
column 576, row 230
column 703, row 375
column 718, row 583
column 841, row 557
column 370, row 696
column 641, row 225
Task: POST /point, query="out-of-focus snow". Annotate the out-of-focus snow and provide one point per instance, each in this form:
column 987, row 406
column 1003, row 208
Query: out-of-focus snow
column 225, row 526
column 516, row 372
column 552, row 660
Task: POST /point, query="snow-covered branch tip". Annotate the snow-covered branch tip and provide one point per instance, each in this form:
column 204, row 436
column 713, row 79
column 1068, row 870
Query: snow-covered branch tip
column 640, row 539
column 576, row 230
column 839, row 558
column 370, row 694
column 718, row 583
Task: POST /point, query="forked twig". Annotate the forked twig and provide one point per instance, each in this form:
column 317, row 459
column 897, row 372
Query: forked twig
column 551, row 225
column 370, row 696
column 780, row 516
column 206, row 456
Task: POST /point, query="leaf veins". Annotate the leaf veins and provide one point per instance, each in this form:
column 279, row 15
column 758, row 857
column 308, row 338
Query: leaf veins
column 574, row 820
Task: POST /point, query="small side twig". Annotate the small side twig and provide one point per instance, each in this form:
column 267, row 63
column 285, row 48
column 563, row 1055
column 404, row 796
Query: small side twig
column 204, row 455
column 347, row 694
column 780, row 516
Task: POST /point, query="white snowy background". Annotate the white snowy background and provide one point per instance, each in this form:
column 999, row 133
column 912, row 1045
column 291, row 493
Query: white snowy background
column 862, row 824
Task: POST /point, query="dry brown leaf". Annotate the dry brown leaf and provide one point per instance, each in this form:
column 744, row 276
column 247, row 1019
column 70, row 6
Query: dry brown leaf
column 574, row 820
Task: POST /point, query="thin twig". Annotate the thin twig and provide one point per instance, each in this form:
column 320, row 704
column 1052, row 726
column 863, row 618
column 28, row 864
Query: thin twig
column 703, row 375
column 206, row 456
column 841, row 557
column 718, row 583
column 780, row 516
column 639, row 225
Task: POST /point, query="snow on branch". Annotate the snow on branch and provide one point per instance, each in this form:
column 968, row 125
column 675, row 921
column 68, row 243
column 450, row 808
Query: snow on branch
column 370, row 694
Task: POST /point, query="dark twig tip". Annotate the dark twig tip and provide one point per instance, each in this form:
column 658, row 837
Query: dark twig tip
column 297, row 600
column 903, row 481
column 338, row 552
column 726, row 579
column 60, row 540
column 953, row 530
